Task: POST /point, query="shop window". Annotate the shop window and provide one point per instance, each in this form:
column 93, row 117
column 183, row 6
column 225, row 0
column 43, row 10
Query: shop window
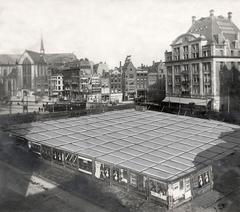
column 141, row 183
column 203, row 179
column 46, row 152
column 102, row 171
column 181, row 184
column 35, row 148
column 158, row 189
column 85, row 165
column 133, row 179
column 120, row 175
column 57, row 155
column 70, row 159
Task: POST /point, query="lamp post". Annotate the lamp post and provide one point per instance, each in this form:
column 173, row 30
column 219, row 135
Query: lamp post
column 228, row 101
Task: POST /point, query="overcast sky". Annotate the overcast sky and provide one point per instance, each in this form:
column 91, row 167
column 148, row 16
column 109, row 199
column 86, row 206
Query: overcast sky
column 103, row 30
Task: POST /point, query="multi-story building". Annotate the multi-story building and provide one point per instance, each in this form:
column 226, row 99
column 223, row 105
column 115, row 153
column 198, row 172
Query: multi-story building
column 100, row 68
column 56, row 85
column 195, row 64
column 71, row 80
column 86, row 66
column 141, row 81
column 105, row 87
column 115, row 79
column 95, row 90
column 129, row 74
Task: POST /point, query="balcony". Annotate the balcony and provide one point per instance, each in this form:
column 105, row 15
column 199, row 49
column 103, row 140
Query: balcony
column 177, row 83
column 185, row 83
column 206, row 71
column 207, row 82
column 75, row 82
column 196, row 83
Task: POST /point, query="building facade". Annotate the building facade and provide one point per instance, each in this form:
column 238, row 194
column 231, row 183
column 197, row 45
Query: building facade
column 129, row 74
column 115, row 80
column 30, row 73
column 141, row 81
column 56, row 86
column 197, row 59
column 105, row 87
column 9, row 76
column 100, row 68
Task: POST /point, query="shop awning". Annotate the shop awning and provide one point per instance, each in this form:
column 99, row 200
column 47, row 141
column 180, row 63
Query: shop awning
column 181, row 100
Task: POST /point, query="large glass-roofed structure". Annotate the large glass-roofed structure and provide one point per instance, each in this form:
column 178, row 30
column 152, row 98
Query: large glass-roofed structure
column 163, row 156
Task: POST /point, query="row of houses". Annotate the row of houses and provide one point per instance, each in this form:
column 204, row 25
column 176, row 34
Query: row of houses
column 65, row 77
column 202, row 69
column 99, row 84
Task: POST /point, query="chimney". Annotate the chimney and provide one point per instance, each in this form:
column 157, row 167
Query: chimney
column 153, row 62
column 193, row 19
column 229, row 16
column 120, row 64
column 211, row 12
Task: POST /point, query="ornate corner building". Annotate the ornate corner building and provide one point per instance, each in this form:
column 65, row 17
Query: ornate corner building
column 196, row 64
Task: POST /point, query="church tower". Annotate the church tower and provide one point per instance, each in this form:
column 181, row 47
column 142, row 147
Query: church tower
column 42, row 51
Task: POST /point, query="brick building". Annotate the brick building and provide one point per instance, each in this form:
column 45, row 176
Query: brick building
column 115, row 79
column 129, row 74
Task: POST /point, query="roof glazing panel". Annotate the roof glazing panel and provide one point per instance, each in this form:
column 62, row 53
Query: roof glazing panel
column 162, row 145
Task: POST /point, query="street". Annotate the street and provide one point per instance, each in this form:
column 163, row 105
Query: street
column 29, row 184
column 22, row 190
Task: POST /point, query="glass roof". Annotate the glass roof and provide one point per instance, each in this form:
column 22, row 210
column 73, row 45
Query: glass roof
column 162, row 145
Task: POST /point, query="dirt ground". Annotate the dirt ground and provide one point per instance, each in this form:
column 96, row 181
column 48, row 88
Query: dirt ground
column 28, row 184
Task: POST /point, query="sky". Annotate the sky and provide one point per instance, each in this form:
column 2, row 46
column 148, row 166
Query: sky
column 103, row 30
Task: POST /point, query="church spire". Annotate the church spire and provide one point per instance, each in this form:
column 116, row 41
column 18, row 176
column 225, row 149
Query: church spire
column 42, row 51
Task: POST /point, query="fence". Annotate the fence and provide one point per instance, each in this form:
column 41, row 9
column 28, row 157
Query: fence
column 10, row 119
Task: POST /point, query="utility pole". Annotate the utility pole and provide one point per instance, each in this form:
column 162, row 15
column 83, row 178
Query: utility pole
column 228, row 101
column 10, row 107
column 168, row 100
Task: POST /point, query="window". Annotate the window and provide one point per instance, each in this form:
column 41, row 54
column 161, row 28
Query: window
column 35, row 148
column 102, row 171
column 203, row 179
column 185, row 52
column 85, row 165
column 195, row 50
column 158, row 189
column 185, row 68
column 195, row 68
column 57, row 156
column 176, row 70
column 70, row 159
column 46, row 152
column 176, row 52
column 133, row 179
column 181, row 184
column 120, row 175
column 206, row 67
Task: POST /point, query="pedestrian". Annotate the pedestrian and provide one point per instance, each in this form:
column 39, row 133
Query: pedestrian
column 39, row 109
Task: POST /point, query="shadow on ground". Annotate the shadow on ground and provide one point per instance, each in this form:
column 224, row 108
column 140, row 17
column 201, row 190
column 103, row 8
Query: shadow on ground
column 226, row 170
column 16, row 169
